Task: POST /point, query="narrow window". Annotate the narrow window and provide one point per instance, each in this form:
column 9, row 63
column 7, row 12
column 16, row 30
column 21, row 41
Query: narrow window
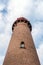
column 22, row 45
column 22, row 20
column 18, row 20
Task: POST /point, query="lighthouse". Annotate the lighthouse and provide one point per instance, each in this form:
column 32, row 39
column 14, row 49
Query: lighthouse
column 21, row 49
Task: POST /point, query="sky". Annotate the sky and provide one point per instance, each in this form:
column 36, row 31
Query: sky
column 10, row 10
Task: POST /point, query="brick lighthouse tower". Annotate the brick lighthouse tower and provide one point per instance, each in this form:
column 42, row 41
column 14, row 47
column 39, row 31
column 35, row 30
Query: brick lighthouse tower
column 21, row 50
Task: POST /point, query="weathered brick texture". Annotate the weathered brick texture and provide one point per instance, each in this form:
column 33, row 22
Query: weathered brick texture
column 21, row 56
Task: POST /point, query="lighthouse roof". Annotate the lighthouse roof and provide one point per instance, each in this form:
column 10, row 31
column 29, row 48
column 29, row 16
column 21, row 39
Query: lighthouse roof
column 22, row 19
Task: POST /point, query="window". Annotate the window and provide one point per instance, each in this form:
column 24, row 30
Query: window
column 22, row 20
column 22, row 45
column 18, row 20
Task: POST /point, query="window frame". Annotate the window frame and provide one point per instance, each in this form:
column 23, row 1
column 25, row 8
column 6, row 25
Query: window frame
column 21, row 45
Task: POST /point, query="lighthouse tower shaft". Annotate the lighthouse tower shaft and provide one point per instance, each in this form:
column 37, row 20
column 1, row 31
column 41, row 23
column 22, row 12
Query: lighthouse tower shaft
column 21, row 50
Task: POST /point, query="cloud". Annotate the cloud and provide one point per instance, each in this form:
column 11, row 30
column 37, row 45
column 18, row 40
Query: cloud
column 1, row 16
column 4, row 2
column 17, row 8
column 3, row 12
column 1, row 59
column 2, row 7
column 39, row 10
column 4, row 41
column 40, row 52
column 1, row 23
column 37, row 32
column 37, row 28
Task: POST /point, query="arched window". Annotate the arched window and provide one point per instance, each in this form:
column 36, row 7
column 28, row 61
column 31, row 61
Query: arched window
column 22, row 45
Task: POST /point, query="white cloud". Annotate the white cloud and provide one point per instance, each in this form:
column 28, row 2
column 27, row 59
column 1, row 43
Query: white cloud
column 2, row 25
column 37, row 34
column 4, row 38
column 18, row 8
column 0, row 16
column 8, row 29
column 1, row 60
column 40, row 52
column 37, row 31
column 39, row 10
column 2, row 6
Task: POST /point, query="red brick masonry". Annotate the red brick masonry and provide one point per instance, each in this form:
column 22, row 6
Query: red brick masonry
column 21, row 56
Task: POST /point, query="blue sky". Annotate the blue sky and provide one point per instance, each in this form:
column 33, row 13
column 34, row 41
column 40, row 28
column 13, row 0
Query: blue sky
column 30, row 9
